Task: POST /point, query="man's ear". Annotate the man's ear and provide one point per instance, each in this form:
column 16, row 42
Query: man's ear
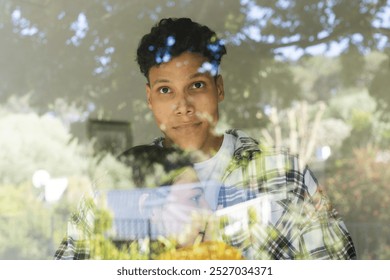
column 220, row 88
column 148, row 95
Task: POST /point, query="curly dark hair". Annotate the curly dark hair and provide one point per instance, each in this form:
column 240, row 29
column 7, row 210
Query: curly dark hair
column 171, row 37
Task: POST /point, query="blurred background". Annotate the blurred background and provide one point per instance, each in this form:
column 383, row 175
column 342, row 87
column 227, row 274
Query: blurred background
column 311, row 75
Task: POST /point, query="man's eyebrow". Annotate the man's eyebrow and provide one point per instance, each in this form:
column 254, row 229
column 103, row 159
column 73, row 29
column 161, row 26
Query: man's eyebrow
column 198, row 74
column 198, row 189
column 160, row 81
column 192, row 76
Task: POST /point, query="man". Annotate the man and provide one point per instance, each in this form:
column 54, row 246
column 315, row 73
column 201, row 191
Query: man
column 180, row 60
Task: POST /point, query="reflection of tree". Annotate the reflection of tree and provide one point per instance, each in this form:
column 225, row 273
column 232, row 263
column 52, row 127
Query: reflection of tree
column 301, row 135
column 85, row 53
column 25, row 226
column 110, row 142
column 30, row 228
column 43, row 65
column 359, row 186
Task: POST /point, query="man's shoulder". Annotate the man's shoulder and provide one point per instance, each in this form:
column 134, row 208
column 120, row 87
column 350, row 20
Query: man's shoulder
column 248, row 148
column 240, row 134
column 243, row 143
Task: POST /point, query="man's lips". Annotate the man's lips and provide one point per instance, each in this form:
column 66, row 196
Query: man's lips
column 187, row 125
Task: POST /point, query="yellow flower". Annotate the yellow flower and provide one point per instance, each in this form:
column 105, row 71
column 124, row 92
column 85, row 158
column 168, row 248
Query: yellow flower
column 209, row 250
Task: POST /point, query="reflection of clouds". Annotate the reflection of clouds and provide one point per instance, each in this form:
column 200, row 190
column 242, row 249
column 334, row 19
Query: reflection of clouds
column 215, row 47
column 163, row 56
column 80, row 27
column 209, row 67
column 171, row 41
column 23, row 25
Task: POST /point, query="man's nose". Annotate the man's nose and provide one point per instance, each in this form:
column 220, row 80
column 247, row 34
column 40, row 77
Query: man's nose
column 184, row 104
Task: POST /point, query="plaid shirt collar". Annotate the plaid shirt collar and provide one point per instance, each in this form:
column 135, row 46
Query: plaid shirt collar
column 243, row 146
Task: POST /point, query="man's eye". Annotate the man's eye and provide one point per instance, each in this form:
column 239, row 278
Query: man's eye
column 164, row 90
column 196, row 199
column 198, row 85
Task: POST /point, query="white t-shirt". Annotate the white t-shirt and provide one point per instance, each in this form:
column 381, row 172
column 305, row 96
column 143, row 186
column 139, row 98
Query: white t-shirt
column 211, row 171
column 214, row 168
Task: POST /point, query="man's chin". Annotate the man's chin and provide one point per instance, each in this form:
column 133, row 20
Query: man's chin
column 189, row 146
column 193, row 143
column 185, row 144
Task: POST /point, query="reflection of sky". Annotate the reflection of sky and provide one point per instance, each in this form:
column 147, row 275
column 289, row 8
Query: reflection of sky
column 256, row 18
column 333, row 49
column 23, row 25
column 384, row 18
column 80, row 28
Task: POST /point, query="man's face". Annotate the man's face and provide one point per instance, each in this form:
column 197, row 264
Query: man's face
column 184, row 214
column 184, row 100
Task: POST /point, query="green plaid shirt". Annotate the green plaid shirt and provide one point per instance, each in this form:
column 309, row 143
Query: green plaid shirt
column 304, row 225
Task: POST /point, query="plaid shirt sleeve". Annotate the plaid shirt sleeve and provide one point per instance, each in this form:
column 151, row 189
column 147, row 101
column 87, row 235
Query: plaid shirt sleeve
column 76, row 244
column 323, row 233
column 304, row 224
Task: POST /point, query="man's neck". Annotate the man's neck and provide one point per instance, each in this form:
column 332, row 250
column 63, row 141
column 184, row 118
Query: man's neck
column 208, row 152
column 203, row 153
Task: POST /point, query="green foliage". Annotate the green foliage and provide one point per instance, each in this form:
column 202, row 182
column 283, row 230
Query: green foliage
column 332, row 133
column 359, row 111
column 358, row 185
column 379, row 87
column 30, row 142
column 32, row 228
column 102, row 248
column 352, row 63
column 318, row 77
column 351, row 100
column 25, row 228
column 108, row 173
column 326, row 78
